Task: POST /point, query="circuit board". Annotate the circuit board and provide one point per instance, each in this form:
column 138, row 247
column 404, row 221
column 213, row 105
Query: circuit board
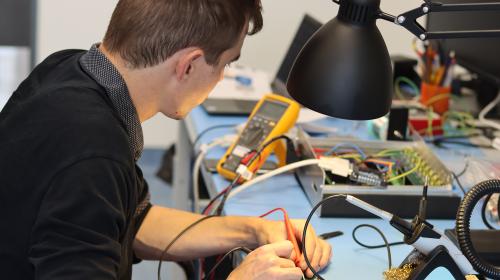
column 408, row 165
column 387, row 174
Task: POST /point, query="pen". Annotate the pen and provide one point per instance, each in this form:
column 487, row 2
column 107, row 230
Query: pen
column 449, row 74
column 439, row 75
column 449, row 67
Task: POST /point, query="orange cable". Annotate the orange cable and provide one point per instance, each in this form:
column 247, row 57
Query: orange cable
column 289, row 230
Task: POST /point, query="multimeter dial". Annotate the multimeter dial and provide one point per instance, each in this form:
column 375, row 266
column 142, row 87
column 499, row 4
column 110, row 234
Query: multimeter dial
column 256, row 131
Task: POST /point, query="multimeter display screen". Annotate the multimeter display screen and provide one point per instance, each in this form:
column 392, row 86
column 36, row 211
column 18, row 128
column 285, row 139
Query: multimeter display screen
column 272, row 110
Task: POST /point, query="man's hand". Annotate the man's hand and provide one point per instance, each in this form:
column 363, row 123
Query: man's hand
column 319, row 251
column 271, row 261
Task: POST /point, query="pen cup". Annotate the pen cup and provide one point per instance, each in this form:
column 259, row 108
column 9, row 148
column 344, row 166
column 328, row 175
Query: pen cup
column 435, row 96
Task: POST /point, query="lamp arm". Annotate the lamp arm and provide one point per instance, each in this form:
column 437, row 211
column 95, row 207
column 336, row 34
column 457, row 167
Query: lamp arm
column 386, row 16
column 408, row 20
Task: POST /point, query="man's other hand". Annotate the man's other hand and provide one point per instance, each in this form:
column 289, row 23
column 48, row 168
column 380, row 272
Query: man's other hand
column 319, row 252
column 271, row 261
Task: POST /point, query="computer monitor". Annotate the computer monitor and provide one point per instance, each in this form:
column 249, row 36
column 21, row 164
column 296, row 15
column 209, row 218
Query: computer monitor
column 307, row 28
column 480, row 56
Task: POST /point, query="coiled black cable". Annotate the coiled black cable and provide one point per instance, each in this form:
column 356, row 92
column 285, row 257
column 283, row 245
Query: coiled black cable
column 386, row 244
column 463, row 226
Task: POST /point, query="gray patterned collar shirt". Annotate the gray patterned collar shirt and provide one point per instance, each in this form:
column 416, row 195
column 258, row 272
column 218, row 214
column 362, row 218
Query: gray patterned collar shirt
column 97, row 65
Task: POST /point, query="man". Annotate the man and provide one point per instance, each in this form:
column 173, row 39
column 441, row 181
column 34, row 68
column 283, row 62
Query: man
column 73, row 204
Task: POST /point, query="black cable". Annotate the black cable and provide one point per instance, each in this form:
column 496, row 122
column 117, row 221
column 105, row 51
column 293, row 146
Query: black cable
column 463, row 227
column 244, row 249
column 386, row 243
column 304, row 233
column 212, row 201
column 231, row 185
column 461, row 173
column 175, row 240
column 195, row 142
column 483, row 212
column 272, row 140
column 225, row 194
column 458, row 182
column 254, row 157
column 372, row 246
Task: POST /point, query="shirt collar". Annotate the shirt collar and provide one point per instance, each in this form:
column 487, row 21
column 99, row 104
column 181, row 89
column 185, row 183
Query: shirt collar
column 98, row 66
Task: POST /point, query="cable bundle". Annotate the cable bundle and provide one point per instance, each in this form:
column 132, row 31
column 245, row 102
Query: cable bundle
column 463, row 226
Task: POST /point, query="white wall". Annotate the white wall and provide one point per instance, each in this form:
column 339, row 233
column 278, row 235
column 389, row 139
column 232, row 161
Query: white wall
column 14, row 67
column 266, row 49
column 77, row 24
column 70, row 24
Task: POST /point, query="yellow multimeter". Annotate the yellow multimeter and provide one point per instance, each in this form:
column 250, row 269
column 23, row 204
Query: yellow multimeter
column 273, row 116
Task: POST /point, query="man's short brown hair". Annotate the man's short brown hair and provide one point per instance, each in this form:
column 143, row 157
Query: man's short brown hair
column 147, row 32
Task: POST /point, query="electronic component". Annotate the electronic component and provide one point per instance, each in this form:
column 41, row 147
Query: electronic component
column 402, row 167
column 366, row 178
column 273, row 116
column 344, row 168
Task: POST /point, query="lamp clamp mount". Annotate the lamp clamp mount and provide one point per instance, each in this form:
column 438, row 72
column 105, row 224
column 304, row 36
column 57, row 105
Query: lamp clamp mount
column 408, row 20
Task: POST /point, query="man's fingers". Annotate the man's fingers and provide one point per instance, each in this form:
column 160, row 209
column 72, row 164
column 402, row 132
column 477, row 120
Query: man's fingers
column 310, row 240
column 318, row 251
column 284, row 263
column 314, row 260
column 281, row 249
column 321, row 258
column 292, row 273
column 310, row 248
column 327, row 254
column 265, row 263
column 317, row 255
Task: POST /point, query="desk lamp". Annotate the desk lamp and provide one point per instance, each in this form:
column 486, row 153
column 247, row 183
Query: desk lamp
column 344, row 70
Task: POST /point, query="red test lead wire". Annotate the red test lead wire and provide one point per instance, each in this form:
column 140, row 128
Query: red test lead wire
column 289, row 231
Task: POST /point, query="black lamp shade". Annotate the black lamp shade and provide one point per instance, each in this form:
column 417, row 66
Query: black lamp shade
column 344, row 70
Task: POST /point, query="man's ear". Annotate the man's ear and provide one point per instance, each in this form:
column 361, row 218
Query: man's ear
column 187, row 63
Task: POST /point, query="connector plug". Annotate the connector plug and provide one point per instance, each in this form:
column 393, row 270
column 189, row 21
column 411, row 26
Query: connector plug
column 338, row 166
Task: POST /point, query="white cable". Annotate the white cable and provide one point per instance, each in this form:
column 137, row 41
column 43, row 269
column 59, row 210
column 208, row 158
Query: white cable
column 196, row 171
column 270, row 174
column 486, row 110
column 204, row 149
